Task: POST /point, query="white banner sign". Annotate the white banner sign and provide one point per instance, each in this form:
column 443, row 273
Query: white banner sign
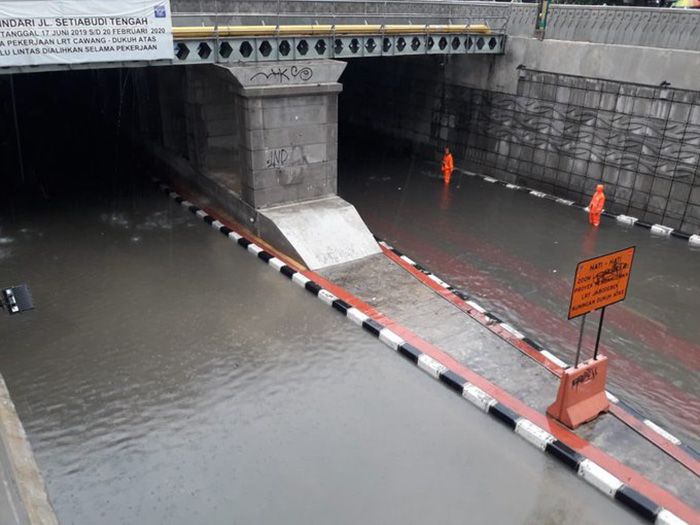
column 40, row 32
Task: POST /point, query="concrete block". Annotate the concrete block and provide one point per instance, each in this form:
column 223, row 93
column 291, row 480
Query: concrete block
column 661, row 188
column 660, row 109
column 683, row 96
column 695, row 115
column 608, row 101
column 656, row 204
column 595, row 171
column 580, row 167
column 536, row 171
column 610, row 175
column 551, row 160
column 625, row 104
column 548, row 92
column 627, row 178
column 639, row 200
column 673, row 223
column 652, row 217
column 693, row 211
column 676, row 209
column 250, row 103
column 679, row 112
column 628, row 89
column 294, row 101
column 641, row 107
column 524, row 167
column 251, row 120
column 636, row 211
column 589, row 187
column 539, row 157
column 549, row 175
column 680, row 191
column 643, row 183
column 616, row 207
column 282, row 117
column 695, row 196
column 622, row 195
column 563, row 94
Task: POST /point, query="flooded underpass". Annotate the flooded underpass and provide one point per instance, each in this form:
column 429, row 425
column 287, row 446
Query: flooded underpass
column 168, row 377
column 517, row 254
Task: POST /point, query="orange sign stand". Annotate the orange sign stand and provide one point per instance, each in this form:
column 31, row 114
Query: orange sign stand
column 581, row 396
column 599, row 282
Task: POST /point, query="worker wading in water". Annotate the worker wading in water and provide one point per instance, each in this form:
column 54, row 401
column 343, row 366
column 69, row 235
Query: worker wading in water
column 448, row 165
column 595, row 208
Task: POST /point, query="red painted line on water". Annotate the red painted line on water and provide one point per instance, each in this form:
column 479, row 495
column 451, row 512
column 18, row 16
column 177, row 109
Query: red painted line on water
column 647, row 383
column 665, row 445
column 624, row 319
column 626, row 474
column 475, row 314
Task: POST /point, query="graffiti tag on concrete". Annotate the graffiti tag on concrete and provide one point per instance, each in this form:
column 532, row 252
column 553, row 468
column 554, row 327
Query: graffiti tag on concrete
column 276, row 158
column 286, row 74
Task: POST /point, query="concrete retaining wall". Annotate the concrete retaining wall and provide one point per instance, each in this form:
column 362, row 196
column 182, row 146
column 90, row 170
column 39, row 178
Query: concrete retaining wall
column 559, row 133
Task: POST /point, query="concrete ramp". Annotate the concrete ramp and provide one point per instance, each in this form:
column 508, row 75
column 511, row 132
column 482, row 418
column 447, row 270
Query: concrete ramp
column 323, row 232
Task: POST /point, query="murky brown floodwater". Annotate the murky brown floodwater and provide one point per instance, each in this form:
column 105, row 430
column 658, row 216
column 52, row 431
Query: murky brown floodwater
column 517, row 254
column 166, row 376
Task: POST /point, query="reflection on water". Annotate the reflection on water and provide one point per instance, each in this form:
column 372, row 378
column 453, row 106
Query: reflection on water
column 518, row 255
column 177, row 380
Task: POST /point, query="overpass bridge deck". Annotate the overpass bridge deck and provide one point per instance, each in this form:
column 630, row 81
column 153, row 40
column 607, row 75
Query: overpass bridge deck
column 244, row 44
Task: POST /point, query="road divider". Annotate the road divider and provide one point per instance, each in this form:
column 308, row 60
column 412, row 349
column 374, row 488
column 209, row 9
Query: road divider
column 637, row 493
column 657, row 229
column 681, row 452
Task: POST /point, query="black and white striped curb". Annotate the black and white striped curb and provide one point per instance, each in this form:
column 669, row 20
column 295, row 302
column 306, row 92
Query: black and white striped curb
column 657, row 229
column 591, row 472
column 653, row 426
column 516, row 333
column 471, row 301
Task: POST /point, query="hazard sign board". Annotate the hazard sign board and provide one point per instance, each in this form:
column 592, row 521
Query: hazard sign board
column 600, row 282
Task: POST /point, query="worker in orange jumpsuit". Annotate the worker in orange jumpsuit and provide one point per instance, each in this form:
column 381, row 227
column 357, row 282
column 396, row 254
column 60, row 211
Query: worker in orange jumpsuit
column 448, row 165
column 595, row 208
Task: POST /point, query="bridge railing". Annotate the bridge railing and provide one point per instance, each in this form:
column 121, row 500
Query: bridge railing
column 631, row 26
column 635, row 26
column 276, row 12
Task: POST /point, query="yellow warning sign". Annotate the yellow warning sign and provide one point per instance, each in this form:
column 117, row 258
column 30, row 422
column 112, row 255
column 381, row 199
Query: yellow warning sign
column 601, row 281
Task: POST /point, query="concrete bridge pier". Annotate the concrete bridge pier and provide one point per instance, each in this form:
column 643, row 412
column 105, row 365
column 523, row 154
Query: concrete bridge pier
column 289, row 130
column 262, row 141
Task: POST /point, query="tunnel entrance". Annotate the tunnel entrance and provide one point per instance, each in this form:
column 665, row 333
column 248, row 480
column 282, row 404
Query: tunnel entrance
column 68, row 135
column 384, row 108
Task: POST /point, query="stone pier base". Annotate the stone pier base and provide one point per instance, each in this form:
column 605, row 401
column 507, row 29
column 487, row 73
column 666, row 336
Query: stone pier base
column 262, row 142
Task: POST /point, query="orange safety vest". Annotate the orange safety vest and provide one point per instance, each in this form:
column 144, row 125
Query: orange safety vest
column 448, row 163
column 597, row 202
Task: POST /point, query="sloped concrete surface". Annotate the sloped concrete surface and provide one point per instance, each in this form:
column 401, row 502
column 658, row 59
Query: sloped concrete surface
column 323, row 232
column 395, row 293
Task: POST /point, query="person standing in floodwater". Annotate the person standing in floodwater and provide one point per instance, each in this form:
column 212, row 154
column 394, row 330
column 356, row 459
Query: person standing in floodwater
column 448, row 166
column 595, row 208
